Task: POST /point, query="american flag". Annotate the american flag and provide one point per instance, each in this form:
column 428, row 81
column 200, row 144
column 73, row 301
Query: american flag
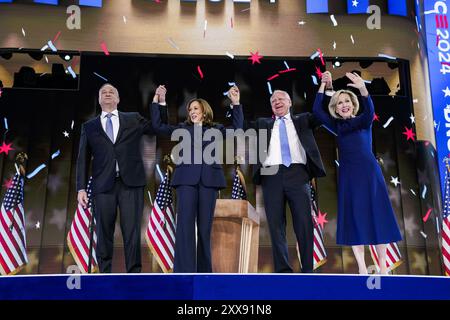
column 238, row 191
column 78, row 238
column 160, row 233
column 319, row 252
column 393, row 256
column 446, row 225
column 13, row 254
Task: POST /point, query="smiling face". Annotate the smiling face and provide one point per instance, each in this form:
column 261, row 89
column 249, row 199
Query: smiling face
column 108, row 98
column 196, row 113
column 280, row 102
column 344, row 106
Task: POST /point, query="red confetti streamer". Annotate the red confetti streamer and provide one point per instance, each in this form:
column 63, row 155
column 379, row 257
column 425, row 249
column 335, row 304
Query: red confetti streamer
column 57, row 36
column 287, row 70
column 273, row 77
column 321, row 56
column 104, row 48
column 427, row 215
column 200, row 72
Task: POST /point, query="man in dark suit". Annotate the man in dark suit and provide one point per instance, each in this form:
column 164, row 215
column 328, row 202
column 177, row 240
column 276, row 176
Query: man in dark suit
column 290, row 159
column 112, row 142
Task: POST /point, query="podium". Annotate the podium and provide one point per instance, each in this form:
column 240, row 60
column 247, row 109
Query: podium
column 235, row 237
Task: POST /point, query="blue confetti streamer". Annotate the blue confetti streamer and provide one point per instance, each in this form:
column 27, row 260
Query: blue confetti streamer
column 100, row 76
column 6, row 123
column 52, row 46
column 36, row 171
column 270, row 87
column 287, row 66
column 159, row 172
column 74, row 75
column 57, row 153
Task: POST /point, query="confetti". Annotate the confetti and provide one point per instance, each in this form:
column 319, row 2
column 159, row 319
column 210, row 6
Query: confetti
column 17, row 168
column 5, row 121
column 423, row 234
column 36, row 171
column 56, row 36
column 66, row 134
column 71, row 126
column 100, row 76
column 55, row 154
column 273, row 77
column 200, row 72
column 321, row 56
column 44, row 48
column 161, row 176
column 230, row 55
column 388, row 122
column 314, row 80
column 287, row 66
column 23, row 32
column 172, row 43
column 334, row 45
column 287, row 70
column 394, row 181
column 150, row 197
column 46, row 59
column 415, row 100
column 52, row 46
column 412, row 191
column 204, row 28
column 427, row 215
column 301, row 22
column 329, row 130
column 74, row 75
column 386, row 56
column 333, row 19
column 353, row 40
column 37, row 225
column 255, row 57
column 104, row 48
column 270, row 87
column 424, row 192
column 231, row 84
column 314, row 55
column 337, row 162
column 124, row 19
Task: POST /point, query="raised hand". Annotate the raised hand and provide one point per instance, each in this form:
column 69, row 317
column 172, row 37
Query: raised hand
column 327, row 79
column 357, row 82
column 234, row 95
column 160, row 94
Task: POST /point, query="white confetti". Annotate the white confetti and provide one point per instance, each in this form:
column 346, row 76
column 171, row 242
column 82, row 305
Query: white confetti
column 333, row 19
column 46, row 59
column 74, row 75
column 314, row 80
column 57, row 153
column 71, row 126
column 44, row 48
column 124, row 19
column 150, row 197
column 161, row 176
column 423, row 234
column 382, row 55
column 6, row 123
column 353, row 40
column 52, row 46
column 17, row 169
column 287, row 66
column 412, row 191
column 315, row 55
column 231, row 84
column 230, row 55
column 424, row 192
column 23, row 32
column 337, row 162
column 415, row 100
column 206, row 24
column 172, row 43
column 388, row 122
column 269, row 87
column 301, row 22
column 334, row 45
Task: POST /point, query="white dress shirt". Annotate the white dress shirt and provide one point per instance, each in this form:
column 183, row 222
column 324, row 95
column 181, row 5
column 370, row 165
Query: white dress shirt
column 115, row 122
column 298, row 154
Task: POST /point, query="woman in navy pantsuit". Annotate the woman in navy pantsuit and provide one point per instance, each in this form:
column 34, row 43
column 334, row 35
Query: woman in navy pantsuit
column 365, row 215
column 196, row 182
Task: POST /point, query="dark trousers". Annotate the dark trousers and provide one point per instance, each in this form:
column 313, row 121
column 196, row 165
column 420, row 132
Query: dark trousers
column 130, row 201
column 194, row 203
column 289, row 184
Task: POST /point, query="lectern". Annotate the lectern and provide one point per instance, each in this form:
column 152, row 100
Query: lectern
column 235, row 237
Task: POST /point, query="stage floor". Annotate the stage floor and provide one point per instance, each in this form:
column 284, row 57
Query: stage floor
column 223, row 287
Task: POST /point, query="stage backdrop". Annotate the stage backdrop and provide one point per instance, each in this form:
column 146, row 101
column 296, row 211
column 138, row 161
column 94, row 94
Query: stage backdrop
column 43, row 121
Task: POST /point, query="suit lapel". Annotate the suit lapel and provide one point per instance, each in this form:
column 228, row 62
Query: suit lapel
column 98, row 127
column 122, row 126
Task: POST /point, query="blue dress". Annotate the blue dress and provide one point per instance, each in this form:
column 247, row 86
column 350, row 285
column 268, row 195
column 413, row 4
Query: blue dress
column 365, row 214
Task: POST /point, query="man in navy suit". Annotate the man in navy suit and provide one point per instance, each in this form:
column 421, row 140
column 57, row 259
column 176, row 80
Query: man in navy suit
column 112, row 142
column 289, row 160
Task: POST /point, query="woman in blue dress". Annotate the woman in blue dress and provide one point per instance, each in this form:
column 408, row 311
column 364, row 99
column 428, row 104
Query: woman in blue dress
column 365, row 214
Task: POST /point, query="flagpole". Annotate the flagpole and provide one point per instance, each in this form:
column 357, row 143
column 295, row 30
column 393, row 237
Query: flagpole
column 20, row 159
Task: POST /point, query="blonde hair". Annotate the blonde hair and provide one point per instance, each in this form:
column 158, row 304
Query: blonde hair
column 206, row 108
column 334, row 100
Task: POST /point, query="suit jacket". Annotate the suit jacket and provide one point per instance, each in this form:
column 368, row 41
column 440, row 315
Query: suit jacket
column 211, row 175
column 304, row 124
column 96, row 146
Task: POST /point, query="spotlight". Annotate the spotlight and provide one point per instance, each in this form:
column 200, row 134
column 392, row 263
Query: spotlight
column 337, row 64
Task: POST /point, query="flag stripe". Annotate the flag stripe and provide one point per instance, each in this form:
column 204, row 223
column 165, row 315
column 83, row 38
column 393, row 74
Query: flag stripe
column 13, row 241
column 8, row 216
column 160, row 234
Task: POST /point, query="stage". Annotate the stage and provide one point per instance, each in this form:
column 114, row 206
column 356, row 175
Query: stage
column 223, row 287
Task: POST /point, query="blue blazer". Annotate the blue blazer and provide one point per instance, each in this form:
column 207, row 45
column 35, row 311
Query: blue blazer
column 210, row 175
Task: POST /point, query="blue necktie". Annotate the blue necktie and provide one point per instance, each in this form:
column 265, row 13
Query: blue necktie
column 109, row 127
column 284, row 144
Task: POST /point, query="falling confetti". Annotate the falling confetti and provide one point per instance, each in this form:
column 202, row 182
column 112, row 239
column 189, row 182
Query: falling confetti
column 23, row 32
column 423, row 234
column 100, row 76
column 56, row 36
column 333, row 19
column 5, row 121
column 104, row 48
column 301, row 22
column 412, row 191
column 204, row 28
column 424, row 192
column 321, row 56
column 66, row 134
column 427, row 215
column 255, row 57
column 337, row 162
column 71, row 126
column 36, row 171
column 46, row 59
column 287, row 70
column 44, row 48
column 55, row 154
column 287, row 66
column 386, row 56
column 124, row 19
column 52, row 46
column 172, row 43
column 353, row 40
column 395, row 181
column 273, row 77
column 74, row 75
column 231, row 84
column 269, row 87
column 230, row 55
column 37, row 225
column 388, row 122
column 200, row 72
column 314, row 55
column 314, row 80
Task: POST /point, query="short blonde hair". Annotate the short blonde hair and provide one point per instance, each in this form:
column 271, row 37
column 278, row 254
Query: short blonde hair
column 206, row 108
column 334, row 100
